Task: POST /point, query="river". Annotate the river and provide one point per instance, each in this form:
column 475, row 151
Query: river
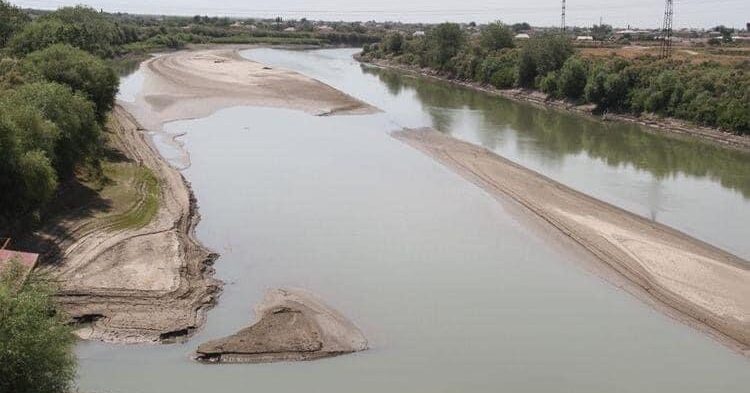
column 455, row 291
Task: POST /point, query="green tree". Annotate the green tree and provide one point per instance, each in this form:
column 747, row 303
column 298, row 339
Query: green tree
column 73, row 115
column 28, row 179
column 393, row 43
column 35, row 343
column 445, row 41
column 495, row 37
column 12, row 19
column 573, row 77
column 542, row 55
column 77, row 69
column 81, row 27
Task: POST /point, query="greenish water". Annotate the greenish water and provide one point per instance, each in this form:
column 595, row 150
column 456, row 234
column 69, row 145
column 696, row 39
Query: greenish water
column 454, row 293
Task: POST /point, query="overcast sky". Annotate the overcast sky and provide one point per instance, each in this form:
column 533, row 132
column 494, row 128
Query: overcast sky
column 642, row 13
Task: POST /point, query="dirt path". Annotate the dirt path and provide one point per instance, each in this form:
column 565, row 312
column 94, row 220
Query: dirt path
column 709, row 286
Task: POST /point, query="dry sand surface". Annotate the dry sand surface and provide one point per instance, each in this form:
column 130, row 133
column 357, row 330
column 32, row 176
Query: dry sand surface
column 709, row 287
column 148, row 284
column 292, row 325
column 194, row 84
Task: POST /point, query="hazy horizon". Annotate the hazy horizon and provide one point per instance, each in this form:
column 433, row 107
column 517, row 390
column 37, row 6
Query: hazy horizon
column 641, row 13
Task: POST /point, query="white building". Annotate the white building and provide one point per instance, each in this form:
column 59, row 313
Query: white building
column 522, row 36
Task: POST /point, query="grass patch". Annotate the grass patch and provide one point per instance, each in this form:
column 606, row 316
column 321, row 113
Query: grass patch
column 134, row 193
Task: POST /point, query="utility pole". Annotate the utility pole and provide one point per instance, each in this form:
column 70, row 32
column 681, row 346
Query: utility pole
column 666, row 31
column 562, row 23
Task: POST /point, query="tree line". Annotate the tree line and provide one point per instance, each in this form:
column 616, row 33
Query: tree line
column 709, row 93
column 55, row 92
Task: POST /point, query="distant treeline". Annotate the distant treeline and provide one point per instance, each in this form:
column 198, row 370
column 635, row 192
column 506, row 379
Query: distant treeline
column 710, row 93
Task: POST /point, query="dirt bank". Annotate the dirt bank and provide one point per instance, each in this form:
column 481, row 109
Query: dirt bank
column 134, row 283
column 194, row 84
column 707, row 285
column 292, row 325
column 655, row 123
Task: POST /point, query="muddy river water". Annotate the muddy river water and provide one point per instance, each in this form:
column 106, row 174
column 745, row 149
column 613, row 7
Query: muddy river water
column 455, row 291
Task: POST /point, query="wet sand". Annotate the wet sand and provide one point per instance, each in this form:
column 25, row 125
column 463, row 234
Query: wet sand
column 293, row 325
column 709, row 287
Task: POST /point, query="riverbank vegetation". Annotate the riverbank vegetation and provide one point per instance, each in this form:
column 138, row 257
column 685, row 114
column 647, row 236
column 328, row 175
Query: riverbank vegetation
column 707, row 93
column 35, row 341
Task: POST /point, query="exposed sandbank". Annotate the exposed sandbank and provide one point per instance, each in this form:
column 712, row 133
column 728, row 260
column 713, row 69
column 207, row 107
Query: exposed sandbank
column 708, row 285
column 148, row 284
column 154, row 283
column 194, row 84
column 292, row 325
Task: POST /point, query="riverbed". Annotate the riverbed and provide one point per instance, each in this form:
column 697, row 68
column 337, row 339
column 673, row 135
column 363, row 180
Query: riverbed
column 454, row 291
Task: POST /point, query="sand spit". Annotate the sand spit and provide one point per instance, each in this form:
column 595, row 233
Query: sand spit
column 194, row 84
column 292, row 325
column 151, row 284
column 709, row 287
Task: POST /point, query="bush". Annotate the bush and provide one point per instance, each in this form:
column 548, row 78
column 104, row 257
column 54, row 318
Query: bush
column 77, row 69
column 35, row 342
column 549, row 84
column 573, row 76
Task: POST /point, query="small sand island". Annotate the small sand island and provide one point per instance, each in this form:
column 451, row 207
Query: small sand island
column 292, row 325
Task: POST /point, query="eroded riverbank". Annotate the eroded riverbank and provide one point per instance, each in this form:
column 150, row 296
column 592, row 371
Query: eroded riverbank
column 153, row 283
column 150, row 283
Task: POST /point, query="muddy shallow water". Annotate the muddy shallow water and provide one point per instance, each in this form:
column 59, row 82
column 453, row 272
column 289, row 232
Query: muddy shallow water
column 454, row 291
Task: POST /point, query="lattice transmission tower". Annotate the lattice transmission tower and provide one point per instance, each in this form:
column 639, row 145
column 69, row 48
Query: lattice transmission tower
column 666, row 30
column 562, row 22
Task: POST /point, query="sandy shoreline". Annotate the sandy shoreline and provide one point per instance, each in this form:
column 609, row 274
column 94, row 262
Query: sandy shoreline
column 148, row 284
column 669, row 126
column 155, row 283
column 709, row 285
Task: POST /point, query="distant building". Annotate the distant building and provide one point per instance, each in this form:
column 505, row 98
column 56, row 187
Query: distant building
column 584, row 38
column 741, row 38
column 418, row 33
column 290, row 29
column 522, row 36
column 324, row 28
